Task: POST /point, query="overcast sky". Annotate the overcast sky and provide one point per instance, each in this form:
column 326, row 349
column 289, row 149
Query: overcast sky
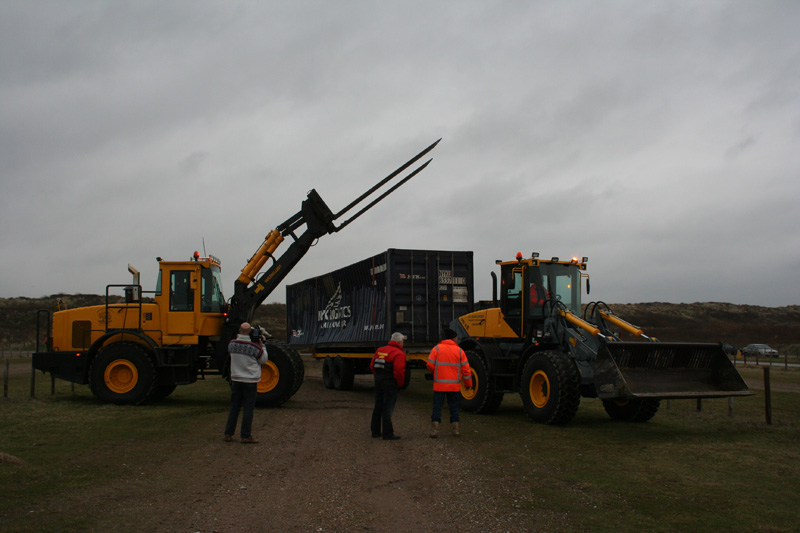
column 660, row 139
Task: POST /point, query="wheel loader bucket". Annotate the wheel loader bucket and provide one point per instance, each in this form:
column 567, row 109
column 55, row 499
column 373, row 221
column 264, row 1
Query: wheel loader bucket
column 663, row 370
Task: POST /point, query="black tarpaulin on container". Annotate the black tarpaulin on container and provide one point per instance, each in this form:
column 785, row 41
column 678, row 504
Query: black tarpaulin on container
column 416, row 292
column 348, row 305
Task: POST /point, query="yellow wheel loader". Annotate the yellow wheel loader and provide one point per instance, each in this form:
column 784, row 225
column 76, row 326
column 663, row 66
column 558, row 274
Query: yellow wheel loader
column 139, row 348
column 536, row 339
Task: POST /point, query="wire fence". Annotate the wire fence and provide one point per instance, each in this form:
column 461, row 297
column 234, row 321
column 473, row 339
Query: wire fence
column 14, row 354
column 781, row 362
column 20, row 363
column 784, row 360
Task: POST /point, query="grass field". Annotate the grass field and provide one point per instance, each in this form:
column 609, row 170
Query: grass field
column 685, row 470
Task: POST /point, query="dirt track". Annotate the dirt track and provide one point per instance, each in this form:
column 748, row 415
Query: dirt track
column 318, row 469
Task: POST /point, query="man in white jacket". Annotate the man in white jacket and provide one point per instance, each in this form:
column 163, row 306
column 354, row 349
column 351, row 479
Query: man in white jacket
column 247, row 356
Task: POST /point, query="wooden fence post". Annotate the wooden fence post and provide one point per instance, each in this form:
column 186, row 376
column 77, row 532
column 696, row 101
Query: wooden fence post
column 33, row 380
column 767, row 396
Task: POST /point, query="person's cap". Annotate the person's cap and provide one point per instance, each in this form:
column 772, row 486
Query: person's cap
column 449, row 333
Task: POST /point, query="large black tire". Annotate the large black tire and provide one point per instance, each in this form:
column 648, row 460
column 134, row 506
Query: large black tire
column 550, row 388
column 632, row 410
column 281, row 377
column 161, row 391
column 343, row 373
column 122, row 373
column 481, row 398
column 327, row 372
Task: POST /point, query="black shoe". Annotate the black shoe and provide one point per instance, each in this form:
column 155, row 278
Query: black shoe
column 393, row 437
column 376, row 435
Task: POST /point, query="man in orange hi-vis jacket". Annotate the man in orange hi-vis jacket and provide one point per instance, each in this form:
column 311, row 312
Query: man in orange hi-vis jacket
column 449, row 365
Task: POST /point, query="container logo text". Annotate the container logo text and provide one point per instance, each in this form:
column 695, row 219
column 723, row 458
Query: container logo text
column 446, row 277
column 335, row 315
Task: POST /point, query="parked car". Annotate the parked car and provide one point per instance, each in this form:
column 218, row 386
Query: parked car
column 729, row 349
column 759, row 349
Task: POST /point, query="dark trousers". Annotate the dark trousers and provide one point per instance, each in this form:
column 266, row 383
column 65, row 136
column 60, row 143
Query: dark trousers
column 243, row 397
column 385, row 399
column 453, row 399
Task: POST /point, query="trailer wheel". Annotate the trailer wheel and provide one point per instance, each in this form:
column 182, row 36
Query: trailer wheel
column 122, row 373
column 550, row 388
column 632, row 410
column 281, row 377
column 343, row 373
column 327, row 372
column 481, row 398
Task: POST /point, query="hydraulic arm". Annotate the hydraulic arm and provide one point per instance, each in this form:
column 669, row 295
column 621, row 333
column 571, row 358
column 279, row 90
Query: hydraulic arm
column 252, row 287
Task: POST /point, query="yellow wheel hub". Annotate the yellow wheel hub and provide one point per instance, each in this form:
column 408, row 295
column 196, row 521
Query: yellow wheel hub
column 539, row 389
column 121, row 376
column 270, row 375
column 469, row 394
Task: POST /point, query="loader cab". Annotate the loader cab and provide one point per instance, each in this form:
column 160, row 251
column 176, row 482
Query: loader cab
column 530, row 288
column 189, row 294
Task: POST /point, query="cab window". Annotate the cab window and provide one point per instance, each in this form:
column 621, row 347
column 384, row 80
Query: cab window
column 513, row 293
column 181, row 295
column 562, row 283
column 211, row 298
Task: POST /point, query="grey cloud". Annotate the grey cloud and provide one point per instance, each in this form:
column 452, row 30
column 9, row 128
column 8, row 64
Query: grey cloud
column 657, row 138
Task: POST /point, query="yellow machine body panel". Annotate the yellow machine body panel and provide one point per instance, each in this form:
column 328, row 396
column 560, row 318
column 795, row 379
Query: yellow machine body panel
column 185, row 307
column 78, row 329
column 487, row 323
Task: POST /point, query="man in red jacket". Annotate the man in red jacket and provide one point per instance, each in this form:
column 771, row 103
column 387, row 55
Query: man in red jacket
column 449, row 365
column 389, row 366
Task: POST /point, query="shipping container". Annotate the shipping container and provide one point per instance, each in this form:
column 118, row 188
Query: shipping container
column 345, row 315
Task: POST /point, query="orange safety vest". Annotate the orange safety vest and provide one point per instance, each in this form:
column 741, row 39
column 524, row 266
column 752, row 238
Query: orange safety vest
column 449, row 365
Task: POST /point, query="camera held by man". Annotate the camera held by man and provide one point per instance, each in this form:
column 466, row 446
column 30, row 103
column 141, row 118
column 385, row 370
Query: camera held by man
column 258, row 334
